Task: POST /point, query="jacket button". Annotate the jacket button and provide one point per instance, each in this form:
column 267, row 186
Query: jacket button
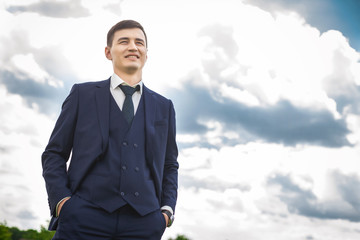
column 136, row 194
column 135, row 145
column 124, row 167
column 136, row 169
column 122, row 193
column 124, row 143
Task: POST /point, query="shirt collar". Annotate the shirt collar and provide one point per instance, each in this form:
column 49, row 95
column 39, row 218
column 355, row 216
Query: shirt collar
column 115, row 81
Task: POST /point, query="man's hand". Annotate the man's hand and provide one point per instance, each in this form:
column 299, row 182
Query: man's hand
column 61, row 204
column 166, row 219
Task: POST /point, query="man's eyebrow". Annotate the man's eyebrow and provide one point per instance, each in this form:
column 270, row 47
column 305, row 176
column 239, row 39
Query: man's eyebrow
column 140, row 39
column 127, row 39
column 123, row 38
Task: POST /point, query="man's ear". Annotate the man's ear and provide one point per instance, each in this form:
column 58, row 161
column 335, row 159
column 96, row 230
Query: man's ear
column 108, row 53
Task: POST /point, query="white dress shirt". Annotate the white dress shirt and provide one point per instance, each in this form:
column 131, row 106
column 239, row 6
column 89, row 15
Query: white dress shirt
column 119, row 95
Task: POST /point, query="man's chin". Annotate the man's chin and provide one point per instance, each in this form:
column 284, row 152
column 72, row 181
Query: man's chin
column 131, row 68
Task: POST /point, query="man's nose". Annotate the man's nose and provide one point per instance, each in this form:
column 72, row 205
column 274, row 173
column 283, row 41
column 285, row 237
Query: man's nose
column 132, row 46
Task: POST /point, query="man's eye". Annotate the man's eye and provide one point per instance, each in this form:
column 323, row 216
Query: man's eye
column 123, row 42
column 140, row 43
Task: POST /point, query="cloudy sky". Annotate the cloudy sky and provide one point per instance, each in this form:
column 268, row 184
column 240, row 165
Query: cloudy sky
column 267, row 96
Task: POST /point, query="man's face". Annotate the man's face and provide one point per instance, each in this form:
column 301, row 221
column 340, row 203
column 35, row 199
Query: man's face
column 128, row 51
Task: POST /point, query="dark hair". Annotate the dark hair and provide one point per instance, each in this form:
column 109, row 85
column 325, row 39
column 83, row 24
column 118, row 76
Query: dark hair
column 125, row 24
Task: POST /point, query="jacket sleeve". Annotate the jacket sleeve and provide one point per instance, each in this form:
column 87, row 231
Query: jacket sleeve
column 170, row 175
column 58, row 150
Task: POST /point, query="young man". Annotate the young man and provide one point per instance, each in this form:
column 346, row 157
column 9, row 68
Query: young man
column 122, row 178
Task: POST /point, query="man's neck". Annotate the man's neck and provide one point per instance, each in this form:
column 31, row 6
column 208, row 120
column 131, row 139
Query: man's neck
column 130, row 79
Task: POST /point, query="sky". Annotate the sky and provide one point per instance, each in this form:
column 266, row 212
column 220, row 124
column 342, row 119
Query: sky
column 267, row 100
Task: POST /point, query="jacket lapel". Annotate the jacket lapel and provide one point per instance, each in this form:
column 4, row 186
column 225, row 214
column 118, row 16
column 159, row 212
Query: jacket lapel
column 150, row 109
column 150, row 113
column 103, row 109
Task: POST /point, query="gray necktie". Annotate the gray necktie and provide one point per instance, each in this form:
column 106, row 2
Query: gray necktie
column 128, row 107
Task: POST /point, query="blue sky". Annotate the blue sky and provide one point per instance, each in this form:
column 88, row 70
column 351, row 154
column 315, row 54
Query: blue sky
column 266, row 95
column 323, row 14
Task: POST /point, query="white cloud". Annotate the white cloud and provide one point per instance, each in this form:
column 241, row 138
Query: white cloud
column 29, row 68
column 284, row 59
column 353, row 122
column 22, row 191
column 203, row 211
column 244, row 54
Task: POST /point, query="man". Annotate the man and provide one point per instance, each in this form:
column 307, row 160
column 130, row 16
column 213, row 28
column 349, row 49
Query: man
column 121, row 182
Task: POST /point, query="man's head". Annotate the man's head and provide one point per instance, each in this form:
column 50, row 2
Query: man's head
column 125, row 24
column 127, row 48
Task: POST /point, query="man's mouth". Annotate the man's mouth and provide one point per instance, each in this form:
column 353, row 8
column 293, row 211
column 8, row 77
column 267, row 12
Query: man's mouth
column 132, row 56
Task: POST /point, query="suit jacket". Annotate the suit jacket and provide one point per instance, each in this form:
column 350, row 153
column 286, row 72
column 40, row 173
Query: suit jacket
column 82, row 131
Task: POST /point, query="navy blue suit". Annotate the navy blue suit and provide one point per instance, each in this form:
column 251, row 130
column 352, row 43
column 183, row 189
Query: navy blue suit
column 83, row 130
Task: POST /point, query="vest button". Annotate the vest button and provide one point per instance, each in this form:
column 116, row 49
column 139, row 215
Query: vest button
column 123, row 167
column 136, row 169
column 135, row 145
column 122, row 193
column 124, row 143
column 136, row 194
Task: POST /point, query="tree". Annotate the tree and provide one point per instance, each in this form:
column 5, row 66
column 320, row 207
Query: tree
column 180, row 237
column 30, row 234
column 14, row 233
column 45, row 234
column 5, row 234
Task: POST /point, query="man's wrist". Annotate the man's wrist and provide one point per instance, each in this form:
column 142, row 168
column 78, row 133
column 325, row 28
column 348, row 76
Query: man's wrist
column 170, row 217
column 167, row 208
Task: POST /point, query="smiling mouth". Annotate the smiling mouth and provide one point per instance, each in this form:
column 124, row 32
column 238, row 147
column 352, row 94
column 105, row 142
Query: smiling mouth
column 132, row 56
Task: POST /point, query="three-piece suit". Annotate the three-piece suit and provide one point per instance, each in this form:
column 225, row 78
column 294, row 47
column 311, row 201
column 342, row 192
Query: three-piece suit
column 114, row 166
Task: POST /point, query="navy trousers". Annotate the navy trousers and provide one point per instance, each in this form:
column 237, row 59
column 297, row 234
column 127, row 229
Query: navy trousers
column 81, row 220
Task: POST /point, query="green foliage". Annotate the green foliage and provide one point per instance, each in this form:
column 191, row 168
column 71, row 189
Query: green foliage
column 45, row 234
column 5, row 233
column 179, row 237
column 16, row 233
column 13, row 233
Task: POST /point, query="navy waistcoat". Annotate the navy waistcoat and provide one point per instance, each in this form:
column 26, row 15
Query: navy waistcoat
column 122, row 176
